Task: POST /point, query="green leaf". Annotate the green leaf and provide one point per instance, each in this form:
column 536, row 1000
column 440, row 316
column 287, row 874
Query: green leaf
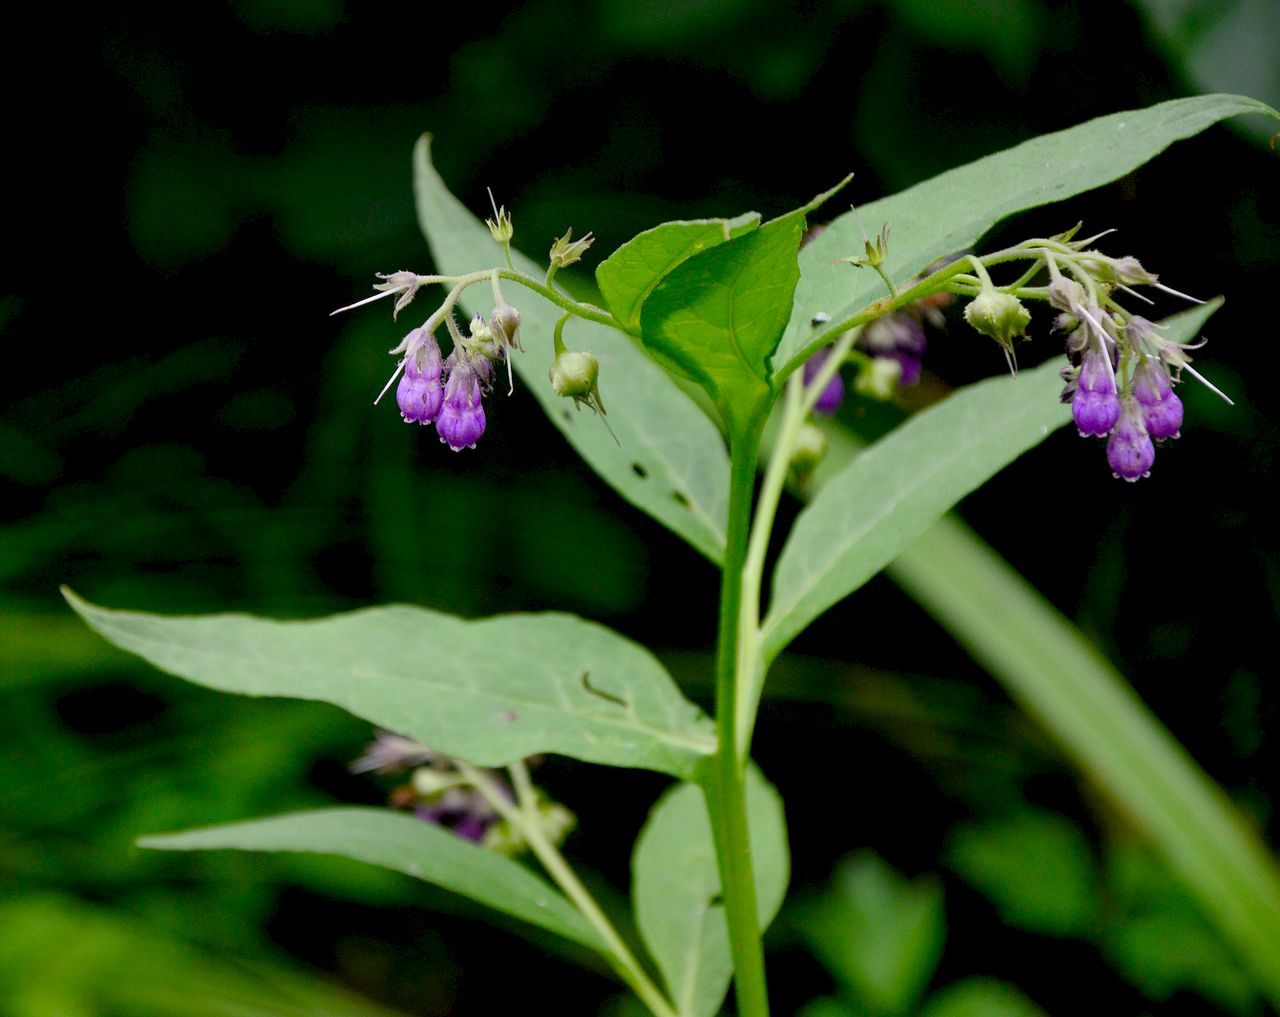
column 1036, row 867
column 490, row 691
column 1048, row 666
column 948, row 213
column 980, row 997
column 61, row 957
column 718, row 315
column 669, row 460
column 394, row 840
column 633, row 271
column 1158, row 938
column 878, row 933
column 676, row 888
column 890, row 494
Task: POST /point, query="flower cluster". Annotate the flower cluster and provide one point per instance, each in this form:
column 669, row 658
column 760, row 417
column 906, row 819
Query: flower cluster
column 449, row 392
column 1121, row 373
column 446, row 793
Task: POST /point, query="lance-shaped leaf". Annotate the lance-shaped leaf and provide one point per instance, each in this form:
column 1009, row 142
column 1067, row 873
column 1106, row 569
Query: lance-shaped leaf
column 949, row 212
column 489, row 691
column 718, row 316
column 669, row 459
column 676, row 889
column 394, row 840
column 889, row 495
column 634, row 270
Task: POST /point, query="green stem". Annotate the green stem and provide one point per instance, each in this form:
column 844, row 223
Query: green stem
column 523, row 815
column 726, row 787
column 461, row 282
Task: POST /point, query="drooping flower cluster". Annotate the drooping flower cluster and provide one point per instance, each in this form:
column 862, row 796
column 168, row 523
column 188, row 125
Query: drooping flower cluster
column 1120, row 374
column 891, row 349
column 450, row 392
column 445, row 793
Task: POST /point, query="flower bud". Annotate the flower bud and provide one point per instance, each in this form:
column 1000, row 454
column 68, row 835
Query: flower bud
column 1095, row 405
column 896, row 336
column 566, row 250
column 880, row 378
column 575, row 375
column 811, row 449
column 998, row 315
column 1161, row 408
column 419, row 394
column 461, row 421
column 833, row 394
column 1130, row 451
column 505, row 324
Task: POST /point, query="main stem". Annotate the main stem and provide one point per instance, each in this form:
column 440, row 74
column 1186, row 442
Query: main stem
column 726, row 788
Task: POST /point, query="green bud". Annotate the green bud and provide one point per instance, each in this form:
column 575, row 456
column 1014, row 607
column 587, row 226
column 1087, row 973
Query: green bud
column 505, row 323
column 811, row 449
column 998, row 315
column 500, row 226
column 574, row 374
column 566, row 250
column 429, row 781
column 878, row 379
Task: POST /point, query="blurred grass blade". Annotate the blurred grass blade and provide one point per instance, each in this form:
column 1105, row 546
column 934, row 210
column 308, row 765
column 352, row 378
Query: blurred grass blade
column 61, row 957
column 669, row 459
column 1052, row 670
column 676, row 887
column 406, row 844
column 490, row 691
column 949, row 212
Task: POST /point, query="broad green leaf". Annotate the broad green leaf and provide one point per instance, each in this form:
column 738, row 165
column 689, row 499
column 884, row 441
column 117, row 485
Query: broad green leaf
column 633, row 271
column 1048, row 666
column 980, row 997
column 669, row 459
column 489, row 691
column 718, row 315
column 890, row 494
column 676, row 889
column 948, row 213
column 1035, row 866
column 394, row 840
column 878, row 933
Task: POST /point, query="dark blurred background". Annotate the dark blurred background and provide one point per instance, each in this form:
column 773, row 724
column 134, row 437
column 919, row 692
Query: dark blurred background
column 192, row 189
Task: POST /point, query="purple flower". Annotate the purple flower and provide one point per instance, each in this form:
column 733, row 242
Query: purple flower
column 419, row 394
column 1095, row 404
column 461, row 420
column 462, row 810
column 833, row 395
column 1130, row 451
column 1161, row 408
column 897, row 336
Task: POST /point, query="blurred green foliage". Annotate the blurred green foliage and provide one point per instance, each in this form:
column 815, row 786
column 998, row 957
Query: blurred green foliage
column 184, row 430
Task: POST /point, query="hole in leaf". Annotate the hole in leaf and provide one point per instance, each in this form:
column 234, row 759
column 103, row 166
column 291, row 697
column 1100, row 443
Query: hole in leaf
column 680, row 498
column 566, row 416
column 639, row 471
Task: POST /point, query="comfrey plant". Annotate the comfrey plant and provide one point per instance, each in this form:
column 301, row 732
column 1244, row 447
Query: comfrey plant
column 767, row 333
